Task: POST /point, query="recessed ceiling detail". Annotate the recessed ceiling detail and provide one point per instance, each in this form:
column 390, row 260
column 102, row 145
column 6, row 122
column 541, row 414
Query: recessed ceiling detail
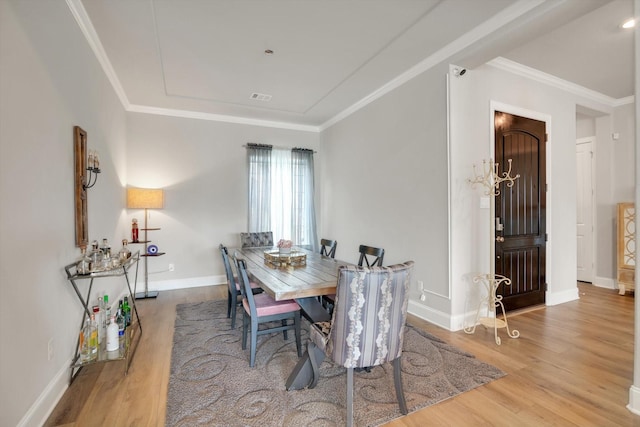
column 201, row 58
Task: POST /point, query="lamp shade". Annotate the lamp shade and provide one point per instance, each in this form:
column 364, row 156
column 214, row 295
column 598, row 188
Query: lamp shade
column 145, row 198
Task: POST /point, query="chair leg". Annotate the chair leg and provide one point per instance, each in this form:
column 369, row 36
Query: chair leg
column 254, row 341
column 397, row 380
column 284, row 323
column 245, row 326
column 234, row 305
column 296, row 322
column 228, row 303
column 349, row 397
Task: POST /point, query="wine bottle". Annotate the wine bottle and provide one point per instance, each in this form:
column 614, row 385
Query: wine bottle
column 127, row 311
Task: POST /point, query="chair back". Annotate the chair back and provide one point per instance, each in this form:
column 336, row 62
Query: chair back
column 231, row 281
column 243, row 277
column 369, row 316
column 370, row 256
column 256, row 239
column 328, row 247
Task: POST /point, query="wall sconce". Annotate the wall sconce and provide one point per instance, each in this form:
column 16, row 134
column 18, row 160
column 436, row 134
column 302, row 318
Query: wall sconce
column 93, row 169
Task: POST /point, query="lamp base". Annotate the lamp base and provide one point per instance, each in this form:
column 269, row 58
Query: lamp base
column 145, row 295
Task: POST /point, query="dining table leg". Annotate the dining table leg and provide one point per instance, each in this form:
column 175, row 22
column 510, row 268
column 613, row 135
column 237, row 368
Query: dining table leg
column 302, row 373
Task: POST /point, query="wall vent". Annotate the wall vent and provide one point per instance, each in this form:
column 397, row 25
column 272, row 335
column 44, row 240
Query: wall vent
column 260, row 97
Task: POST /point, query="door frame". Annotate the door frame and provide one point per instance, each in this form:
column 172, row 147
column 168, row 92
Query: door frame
column 594, row 247
column 546, row 118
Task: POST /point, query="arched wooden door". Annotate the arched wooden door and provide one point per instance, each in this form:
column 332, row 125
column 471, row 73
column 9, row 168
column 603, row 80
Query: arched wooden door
column 521, row 210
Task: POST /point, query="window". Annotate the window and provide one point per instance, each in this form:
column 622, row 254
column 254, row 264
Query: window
column 281, row 194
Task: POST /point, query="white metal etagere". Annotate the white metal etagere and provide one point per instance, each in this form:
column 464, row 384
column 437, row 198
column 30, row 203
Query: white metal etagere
column 491, row 178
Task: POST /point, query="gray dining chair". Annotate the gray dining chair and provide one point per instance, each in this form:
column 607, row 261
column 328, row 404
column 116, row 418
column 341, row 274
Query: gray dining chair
column 233, row 287
column 263, row 309
column 371, row 256
column 256, row 239
column 367, row 325
column 328, row 247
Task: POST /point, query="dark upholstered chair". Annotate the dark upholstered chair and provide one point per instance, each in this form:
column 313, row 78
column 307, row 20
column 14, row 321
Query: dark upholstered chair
column 233, row 287
column 370, row 256
column 262, row 308
column 256, row 240
column 367, row 326
column 328, row 247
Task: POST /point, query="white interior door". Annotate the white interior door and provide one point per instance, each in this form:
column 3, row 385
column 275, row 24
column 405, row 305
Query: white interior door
column 584, row 215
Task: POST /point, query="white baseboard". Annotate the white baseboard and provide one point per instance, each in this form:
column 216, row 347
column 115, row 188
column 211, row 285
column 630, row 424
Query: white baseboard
column 634, row 400
column 430, row 315
column 555, row 298
column 191, row 282
column 605, row 282
column 45, row 404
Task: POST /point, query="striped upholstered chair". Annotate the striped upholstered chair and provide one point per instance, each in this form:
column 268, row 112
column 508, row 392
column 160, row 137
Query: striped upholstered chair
column 256, row 239
column 367, row 325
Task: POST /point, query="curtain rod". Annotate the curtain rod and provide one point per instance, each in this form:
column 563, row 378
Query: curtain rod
column 255, row 145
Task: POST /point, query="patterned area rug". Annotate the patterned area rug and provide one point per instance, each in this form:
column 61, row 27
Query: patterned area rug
column 211, row 383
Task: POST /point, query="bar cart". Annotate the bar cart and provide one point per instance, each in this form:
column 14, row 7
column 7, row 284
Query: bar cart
column 133, row 333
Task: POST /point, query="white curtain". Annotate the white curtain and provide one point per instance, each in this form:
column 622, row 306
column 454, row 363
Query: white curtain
column 259, row 166
column 303, row 213
column 281, row 194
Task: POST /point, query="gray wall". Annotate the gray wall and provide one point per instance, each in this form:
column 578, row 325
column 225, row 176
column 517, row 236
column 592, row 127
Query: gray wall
column 201, row 165
column 385, row 181
column 50, row 82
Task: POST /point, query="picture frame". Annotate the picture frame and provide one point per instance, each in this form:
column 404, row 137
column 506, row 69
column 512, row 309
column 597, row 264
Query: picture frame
column 81, row 207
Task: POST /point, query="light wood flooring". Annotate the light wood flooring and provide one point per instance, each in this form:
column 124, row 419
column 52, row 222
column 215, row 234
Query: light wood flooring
column 571, row 366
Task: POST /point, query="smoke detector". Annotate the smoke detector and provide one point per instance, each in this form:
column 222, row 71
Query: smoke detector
column 260, row 97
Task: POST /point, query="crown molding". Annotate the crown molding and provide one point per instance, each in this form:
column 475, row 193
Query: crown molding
column 486, row 28
column 507, row 15
column 220, row 118
column 80, row 14
column 550, row 80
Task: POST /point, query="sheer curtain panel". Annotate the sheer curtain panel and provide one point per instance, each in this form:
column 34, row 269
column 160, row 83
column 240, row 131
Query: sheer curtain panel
column 259, row 207
column 303, row 213
column 281, row 194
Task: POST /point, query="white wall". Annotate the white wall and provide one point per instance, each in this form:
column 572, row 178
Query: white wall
column 385, row 184
column 472, row 126
column 624, row 153
column 50, row 82
column 202, row 167
column 614, row 180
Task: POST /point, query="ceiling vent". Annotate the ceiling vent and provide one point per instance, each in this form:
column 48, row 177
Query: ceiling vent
column 260, row 97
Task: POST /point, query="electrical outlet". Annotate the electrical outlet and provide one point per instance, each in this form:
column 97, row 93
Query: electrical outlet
column 172, row 267
column 50, row 349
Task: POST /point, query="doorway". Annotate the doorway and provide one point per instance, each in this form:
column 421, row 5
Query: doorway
column 584, row 211
column 520, row 245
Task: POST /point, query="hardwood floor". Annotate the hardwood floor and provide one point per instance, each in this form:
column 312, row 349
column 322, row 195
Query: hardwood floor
column 571, row 366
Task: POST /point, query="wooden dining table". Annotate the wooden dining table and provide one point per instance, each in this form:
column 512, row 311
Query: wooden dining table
column 302, row 282
column 305, row 282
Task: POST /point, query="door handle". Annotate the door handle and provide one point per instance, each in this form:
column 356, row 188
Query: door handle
column 499, row 238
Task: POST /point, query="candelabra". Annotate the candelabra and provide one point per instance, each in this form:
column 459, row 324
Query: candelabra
column 491, row 179
column 93, row 169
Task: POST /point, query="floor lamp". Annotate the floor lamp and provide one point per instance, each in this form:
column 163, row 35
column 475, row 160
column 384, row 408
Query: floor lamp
column 145, row 198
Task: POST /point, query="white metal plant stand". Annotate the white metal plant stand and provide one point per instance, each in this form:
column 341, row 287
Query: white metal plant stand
column 491, row 179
